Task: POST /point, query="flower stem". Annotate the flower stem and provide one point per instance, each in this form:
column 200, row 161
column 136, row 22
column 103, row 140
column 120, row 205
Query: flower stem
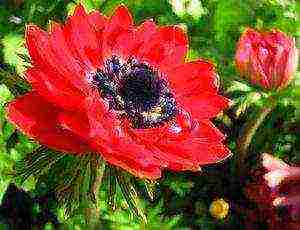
column 248, row 131
column 97, row 167
column 100, row 167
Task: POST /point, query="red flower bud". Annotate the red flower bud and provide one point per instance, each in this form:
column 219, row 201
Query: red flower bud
column 266, row 59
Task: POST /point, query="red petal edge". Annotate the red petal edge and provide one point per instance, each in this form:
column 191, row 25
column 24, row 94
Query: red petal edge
column 38, row 119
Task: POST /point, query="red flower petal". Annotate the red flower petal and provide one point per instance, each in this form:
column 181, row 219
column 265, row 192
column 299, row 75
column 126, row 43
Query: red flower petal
column 172, row 161
column 37, row 43
column 243, row 51
column 192, row 78
column 259, row 76
column 208, row 132
column 167, row 48
column 196, row 151
column 107, row 137
column 179, row 144
column 63, row 58
column 82, row 38
column 200, row 142
column 146, row 30
column 280, row 69
column 76, row 123
column 120, row 23
column 116, row 153
column 181, row 128
column 148, row 171
column 129, row 42
column 204, row 105
column 51, row 54
column 37, row 118
column 55, row 89
column 98, row 21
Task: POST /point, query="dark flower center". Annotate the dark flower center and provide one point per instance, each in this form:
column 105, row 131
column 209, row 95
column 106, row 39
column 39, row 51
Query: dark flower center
column 135, row 91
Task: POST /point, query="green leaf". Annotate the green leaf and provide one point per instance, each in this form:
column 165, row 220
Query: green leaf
column 229, row 18
column 150, row 188
column 112, row 183
column 180, row 185
column 68, row 188
column 36, row 163
column 244, row 102
column 7, row 130
column 13, row 47
column 131, row 196
column 5, row 95
column 13, row 82
column 238, row 86
column 155, row 217
column 89, row 5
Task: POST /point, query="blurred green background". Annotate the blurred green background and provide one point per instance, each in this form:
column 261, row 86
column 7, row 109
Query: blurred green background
column 181, row 201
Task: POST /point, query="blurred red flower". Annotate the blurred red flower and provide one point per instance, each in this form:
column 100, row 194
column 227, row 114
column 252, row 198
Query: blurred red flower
column 266, row 59
column 104, row 85
column 277, row 190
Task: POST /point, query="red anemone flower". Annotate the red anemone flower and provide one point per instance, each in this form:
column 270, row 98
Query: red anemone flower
column 104, row 85
column 267, row 59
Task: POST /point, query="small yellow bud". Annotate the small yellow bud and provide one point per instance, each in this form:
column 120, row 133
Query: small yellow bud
column 219, row 209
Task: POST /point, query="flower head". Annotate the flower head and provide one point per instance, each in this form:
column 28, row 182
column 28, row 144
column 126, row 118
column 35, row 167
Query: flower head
column 219, row 208
column 278, row 189
column 103, row 85
column 266, row 59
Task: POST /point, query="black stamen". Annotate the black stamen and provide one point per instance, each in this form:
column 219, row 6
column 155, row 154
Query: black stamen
column 141, row 88
column 136, row 90
column 104, row 83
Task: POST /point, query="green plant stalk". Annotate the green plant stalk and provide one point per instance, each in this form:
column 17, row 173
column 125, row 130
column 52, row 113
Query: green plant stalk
column 97, row 167
column 248, row 131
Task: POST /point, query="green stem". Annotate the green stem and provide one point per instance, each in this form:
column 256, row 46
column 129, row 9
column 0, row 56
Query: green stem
column 97, row 166
column 248, row 131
